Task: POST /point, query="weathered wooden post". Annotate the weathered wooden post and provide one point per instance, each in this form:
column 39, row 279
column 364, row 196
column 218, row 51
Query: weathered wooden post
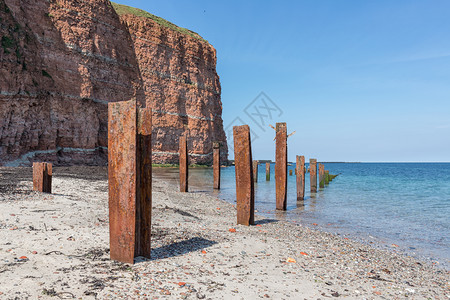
column 300, row 168
column 184, row 170
column 245, row 195
column 281, row 165
column 255, row 170
column 290, row 172
column 321, row 176
column 267, row 171
column 313, row 174
column 42, row 177
column 129, row 180
column 327, row 177
column 216, row 164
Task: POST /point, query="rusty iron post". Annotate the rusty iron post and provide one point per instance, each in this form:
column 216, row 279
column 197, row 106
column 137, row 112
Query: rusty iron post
column 300, row 170
column 245, row 194
column 281, row 166
column 313, row 174
column 255, row 170
column 129, row 180
column 216, row 164
column 290, row 172
column 321, row 176
column 184, row 170
column 42, row 177
column 267, row 171
column 327, row 177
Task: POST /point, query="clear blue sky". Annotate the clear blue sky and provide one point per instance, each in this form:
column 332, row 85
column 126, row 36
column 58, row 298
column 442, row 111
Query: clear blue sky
column 357, row 80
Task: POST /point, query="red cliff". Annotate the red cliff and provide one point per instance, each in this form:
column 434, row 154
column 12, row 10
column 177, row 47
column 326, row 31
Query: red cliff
column 63, row 61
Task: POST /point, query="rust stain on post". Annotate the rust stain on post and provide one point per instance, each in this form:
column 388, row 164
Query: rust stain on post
column 321, row 176
column 245, row 195
column 129, row 180
column 313, row 174
column 216, row 164
column 281, row 166
column 255, row 170
column 183, row 164
column 300, row 170
column 42, row 177
column 267, row 171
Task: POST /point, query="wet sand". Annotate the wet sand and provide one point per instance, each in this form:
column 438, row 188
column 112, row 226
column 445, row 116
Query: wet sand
column 57, row 246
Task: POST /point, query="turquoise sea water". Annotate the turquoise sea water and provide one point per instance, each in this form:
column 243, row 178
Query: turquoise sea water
column 406, row 204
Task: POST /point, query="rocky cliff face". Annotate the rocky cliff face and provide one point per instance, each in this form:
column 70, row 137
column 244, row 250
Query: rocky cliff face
column 62, row 62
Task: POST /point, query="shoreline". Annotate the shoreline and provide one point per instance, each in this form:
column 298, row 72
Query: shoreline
column 196, row 254
column 293, row 215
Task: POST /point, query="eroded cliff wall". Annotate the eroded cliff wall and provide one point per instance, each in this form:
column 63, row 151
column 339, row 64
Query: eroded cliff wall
column 63, row 61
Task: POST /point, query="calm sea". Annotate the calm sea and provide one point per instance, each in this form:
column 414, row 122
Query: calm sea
column 387, row 204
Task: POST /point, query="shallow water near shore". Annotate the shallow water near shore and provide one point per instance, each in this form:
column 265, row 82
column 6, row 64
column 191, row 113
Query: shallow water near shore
column 402, row 206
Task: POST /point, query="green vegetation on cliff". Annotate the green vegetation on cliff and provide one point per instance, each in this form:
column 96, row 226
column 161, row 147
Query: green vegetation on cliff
column 128, row 10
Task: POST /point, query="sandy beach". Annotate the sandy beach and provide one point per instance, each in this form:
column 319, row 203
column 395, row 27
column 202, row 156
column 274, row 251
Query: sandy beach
column 56, row 246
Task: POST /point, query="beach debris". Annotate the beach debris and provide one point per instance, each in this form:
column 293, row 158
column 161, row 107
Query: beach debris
column 377, row 277
column 290, row 260
column 21, row 259
column 313, row 174
column 42, row 177
column 129, row 180
column 300, row 180
column 335, row 294
column 281, row 166
column 216, row 165
column 183, row 162
column 49, row 292
column 61, row 295
column 255, row 170
column 245, row 195
column 232, row 230
column 304, row 253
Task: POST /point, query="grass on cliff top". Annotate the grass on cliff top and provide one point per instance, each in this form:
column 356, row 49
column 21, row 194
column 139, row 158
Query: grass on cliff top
column 125, row 10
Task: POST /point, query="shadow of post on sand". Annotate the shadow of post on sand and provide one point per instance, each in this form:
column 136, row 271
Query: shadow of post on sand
column 180, row 248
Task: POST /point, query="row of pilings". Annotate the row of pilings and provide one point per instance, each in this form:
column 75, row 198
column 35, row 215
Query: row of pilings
column 130, row 177
column 247, row 172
